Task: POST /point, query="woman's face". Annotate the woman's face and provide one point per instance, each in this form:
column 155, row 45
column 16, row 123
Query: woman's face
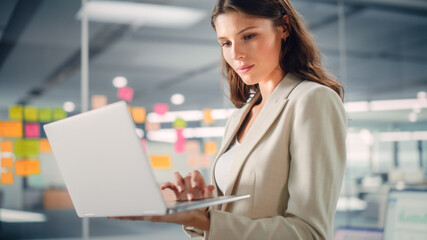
column 250, row 45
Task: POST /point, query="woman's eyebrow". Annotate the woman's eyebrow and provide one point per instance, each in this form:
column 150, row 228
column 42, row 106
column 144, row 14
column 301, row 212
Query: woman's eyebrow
column 241, row 31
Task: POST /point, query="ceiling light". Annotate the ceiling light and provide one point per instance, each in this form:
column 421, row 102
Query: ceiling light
column 177, row 99
column 357, row 106
column 13, row 216
column 120, row 82
column 69, row 107
column 412, row 117
column 138, row 14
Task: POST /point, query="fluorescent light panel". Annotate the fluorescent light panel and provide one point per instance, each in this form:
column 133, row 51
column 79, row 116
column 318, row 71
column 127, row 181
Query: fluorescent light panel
column 142, row 14
column 14, row 216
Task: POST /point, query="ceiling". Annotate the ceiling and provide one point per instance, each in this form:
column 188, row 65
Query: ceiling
column 386, row 54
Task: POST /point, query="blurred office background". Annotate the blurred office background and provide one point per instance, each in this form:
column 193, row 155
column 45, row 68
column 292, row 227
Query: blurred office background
column 170, row 62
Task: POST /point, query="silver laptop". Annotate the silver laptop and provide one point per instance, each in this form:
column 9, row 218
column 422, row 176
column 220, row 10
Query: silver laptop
column 406, row 215
column 105, row 169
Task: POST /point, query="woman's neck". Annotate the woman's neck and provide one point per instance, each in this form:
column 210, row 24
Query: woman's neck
column 267, row 86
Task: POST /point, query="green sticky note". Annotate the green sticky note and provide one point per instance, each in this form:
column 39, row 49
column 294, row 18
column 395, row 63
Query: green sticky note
column 31, row 114
column 26, row 147
column 16, row 113
column 179, row 123
column 58, row 114
column 45, row 115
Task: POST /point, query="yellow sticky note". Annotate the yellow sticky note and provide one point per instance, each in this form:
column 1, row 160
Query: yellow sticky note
column 45, row 114
column 58, row 114
column 161, row 161
column 7, row 178
column 27, row 167
column 211, row 148
column 45, row 146
column 11, row 129
column 6, row 162
column 138, row 114
column 16, row 113
column 31, row 114
column 207, row 116
column 6, row 146
column 26, row 147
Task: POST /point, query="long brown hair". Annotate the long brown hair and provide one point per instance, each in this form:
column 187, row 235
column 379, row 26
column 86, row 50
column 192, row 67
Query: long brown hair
column 299, row 55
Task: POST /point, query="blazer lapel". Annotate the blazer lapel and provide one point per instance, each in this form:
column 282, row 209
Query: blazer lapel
column 268, row 114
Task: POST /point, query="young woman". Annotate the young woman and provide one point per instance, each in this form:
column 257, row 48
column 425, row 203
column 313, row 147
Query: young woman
column 285, row 145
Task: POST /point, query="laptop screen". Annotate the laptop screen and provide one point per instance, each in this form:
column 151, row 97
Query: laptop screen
column 406, row 216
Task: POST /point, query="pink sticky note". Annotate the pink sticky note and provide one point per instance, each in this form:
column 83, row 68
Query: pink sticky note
column 32, row 130
column 125, row 93
column 180, row 141
column 161, row 108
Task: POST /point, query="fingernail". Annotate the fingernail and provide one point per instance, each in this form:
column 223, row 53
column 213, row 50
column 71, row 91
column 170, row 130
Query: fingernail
column 180, row 188
column 189, row 196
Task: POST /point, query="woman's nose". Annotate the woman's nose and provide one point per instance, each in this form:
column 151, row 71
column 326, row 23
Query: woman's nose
column 238, row 51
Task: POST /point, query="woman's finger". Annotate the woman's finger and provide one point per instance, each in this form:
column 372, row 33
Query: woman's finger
column 187, row 182
column 209, row 191
column 197, row 180
column 171, row 186
column 179, row 182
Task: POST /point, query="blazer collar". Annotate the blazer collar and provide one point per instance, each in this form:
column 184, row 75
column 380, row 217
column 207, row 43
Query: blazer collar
column 270, row 111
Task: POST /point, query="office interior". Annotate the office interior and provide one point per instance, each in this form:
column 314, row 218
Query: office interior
column 167, row 68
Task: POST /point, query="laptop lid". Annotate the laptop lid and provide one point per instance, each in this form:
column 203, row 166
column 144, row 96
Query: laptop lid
column 103, row 164
column 406, row 215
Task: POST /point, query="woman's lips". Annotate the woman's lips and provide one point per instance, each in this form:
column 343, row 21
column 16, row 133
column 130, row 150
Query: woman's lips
column 245, row 68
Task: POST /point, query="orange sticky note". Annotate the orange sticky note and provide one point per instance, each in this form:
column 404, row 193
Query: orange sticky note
column 45, row 146
column 27, row 167
column 138, row 114
column 16, row 113
column 32, row 130
column 6, row 146
column 7, row 178
column 161, row 161
column 207, row 116
column 31, row 114
column 152, row 126
column 98, row 101
column 192, row 147
column 211, row 148
column 6, row 162
column 11, row 129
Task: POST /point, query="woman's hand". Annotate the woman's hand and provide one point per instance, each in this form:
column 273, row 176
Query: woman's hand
column 190, row 187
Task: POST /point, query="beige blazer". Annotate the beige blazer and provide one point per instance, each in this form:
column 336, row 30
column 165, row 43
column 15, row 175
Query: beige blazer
column 291, row 162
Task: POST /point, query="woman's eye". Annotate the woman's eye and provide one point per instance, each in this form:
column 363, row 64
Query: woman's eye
column 225, row 44
column 249, row 36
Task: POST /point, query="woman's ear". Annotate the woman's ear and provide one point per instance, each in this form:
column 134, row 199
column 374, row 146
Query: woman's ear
column 285, row 27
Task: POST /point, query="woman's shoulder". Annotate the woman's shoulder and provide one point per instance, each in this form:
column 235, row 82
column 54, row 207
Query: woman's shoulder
column 312, row 91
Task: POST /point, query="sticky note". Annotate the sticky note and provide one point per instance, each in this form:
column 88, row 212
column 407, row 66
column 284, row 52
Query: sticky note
column 206, row 161
column 161, row 161
column 98, row 101
column 138, row 114
column 45, row 146
column 152, row 126
column 211, row 148
column 7, row 178
column 6, row 162
column 27, row 167
column 58, row 114
column 16, row 113
column 125, row 93
column 11, row 129
column 179, row 146
column 207, row 116
column 45, row 115
column 32, row 130
column 179, row 123
column 31, row 114
column 26, row 147
column 192, row 147
column 161, row 108
column 6, row 146
column 193, row 160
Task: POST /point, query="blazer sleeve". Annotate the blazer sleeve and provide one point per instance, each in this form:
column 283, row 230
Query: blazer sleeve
column 317, row 162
